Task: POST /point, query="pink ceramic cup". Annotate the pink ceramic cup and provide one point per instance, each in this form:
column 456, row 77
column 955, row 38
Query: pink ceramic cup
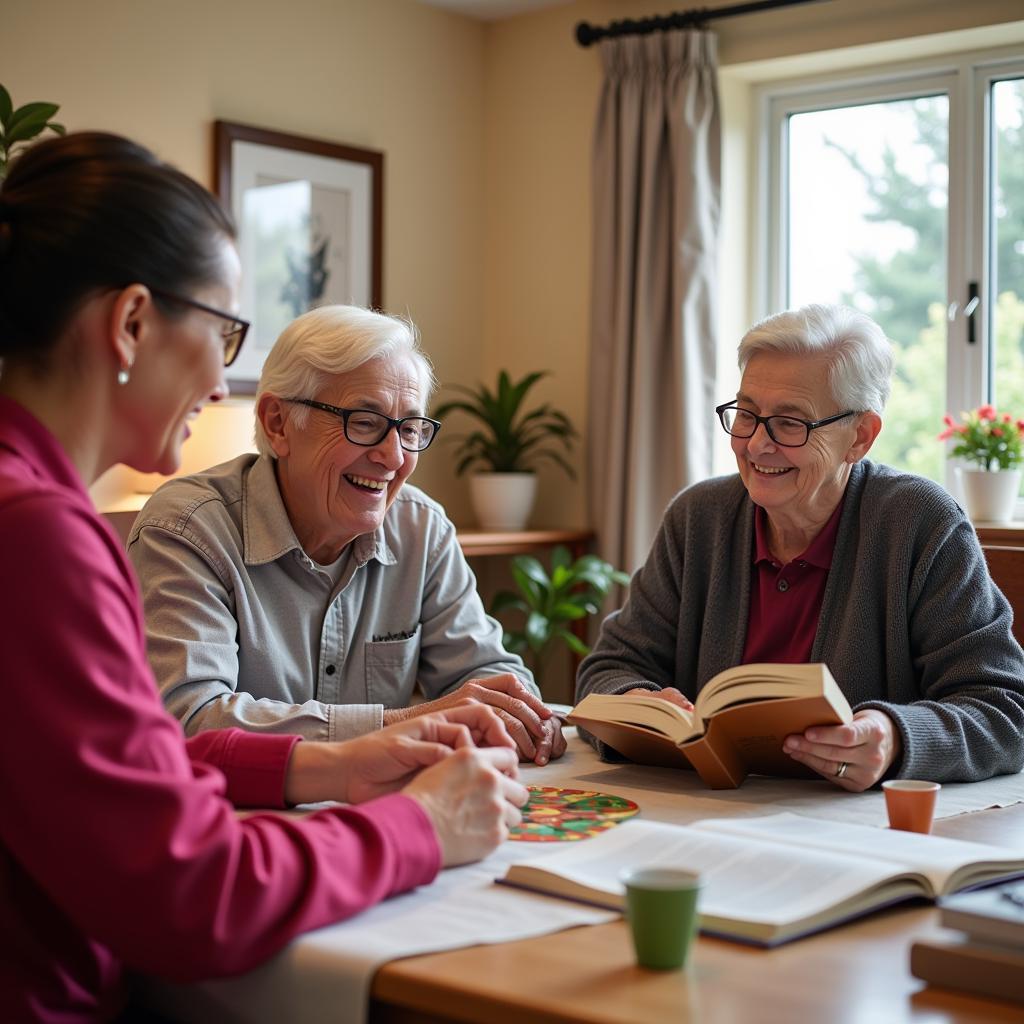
column 910, row 803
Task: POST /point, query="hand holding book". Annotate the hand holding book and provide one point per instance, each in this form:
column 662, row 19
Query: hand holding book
column 738, row 724
column 867, row 747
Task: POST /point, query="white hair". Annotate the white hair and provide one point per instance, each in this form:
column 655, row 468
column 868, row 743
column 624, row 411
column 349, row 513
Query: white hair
column 328, row 341
column 859, row 354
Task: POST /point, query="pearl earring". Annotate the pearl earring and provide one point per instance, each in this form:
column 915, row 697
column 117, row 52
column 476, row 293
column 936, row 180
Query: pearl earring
column 122, row 374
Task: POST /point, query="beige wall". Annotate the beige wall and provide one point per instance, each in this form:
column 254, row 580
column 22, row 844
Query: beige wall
column 392, row 75
column 486, row 130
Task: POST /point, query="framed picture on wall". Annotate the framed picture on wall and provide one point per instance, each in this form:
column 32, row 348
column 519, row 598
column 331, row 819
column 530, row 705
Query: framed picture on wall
column 310, row 217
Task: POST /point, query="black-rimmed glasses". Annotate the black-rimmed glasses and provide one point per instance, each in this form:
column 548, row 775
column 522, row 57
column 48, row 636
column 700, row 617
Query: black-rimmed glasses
column 233, row 332
column 788, row 431
column 367, row 428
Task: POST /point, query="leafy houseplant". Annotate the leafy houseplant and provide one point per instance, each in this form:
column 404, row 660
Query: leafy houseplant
column 509, row 440
column 18, row 127
column 551, row 602
column 994, row 443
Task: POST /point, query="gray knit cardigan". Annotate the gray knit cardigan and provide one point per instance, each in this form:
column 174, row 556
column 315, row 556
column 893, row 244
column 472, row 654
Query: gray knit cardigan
column 911, row 622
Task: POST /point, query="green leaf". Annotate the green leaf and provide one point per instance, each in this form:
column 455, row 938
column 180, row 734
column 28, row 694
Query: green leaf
column 506, row 599
column 576, row 645
column 533, row 593
column 529, row 565
column 514, row 643
column 569, row 610
column 537, row 630
column 27, row 122
column 560, row 557
column 6, row 107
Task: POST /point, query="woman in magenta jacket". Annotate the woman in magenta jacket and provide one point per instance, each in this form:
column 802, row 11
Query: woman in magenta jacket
column 120, row 849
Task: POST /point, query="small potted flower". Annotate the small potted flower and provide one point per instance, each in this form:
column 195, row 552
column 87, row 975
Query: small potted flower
column 993, row 443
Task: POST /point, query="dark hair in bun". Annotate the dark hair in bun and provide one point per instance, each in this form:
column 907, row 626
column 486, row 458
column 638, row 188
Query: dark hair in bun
column 90, row 211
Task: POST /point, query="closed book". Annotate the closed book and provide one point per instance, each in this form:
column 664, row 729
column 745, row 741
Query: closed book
column 994, row 915
column 980, row 969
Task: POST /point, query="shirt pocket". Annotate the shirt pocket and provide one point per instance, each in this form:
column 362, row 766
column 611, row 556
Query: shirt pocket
column 391, row 667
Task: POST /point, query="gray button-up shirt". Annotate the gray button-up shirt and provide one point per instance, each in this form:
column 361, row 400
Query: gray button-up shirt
column 244, row 629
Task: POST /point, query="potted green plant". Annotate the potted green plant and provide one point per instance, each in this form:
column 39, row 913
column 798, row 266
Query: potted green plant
column 19, row 127
column 508, row 444
column 551, row 602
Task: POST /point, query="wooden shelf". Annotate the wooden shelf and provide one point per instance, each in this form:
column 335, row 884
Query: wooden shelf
column 483, row 542
column 1004, row 534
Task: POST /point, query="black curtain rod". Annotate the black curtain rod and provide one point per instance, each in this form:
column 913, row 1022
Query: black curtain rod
column 696, row 18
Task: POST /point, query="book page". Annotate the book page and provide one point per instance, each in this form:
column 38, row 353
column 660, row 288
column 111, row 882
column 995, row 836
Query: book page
column 651, row 713
column 743, row 879
column 945, row 863
column 746, row 683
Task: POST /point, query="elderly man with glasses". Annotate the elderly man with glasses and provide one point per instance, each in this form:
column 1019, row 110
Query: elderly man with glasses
column 308, row 589
column 814, row 554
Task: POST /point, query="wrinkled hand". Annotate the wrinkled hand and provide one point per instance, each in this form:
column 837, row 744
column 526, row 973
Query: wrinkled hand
column 473, row 799
column 867, row 746
column 384, row 761
column 669, row 693
column 524, row 714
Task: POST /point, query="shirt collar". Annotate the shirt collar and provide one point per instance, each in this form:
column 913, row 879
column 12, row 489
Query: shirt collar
column 267, row 532
column 28, row 438
column 819, row 551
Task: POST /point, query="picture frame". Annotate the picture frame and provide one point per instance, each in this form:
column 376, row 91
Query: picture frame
column 310, row 219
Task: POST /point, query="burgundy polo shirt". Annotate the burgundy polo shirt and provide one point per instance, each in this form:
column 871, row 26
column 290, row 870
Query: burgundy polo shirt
column 785, row 600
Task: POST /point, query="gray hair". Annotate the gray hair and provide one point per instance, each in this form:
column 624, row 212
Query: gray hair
column 330, row 340
column 860, row 356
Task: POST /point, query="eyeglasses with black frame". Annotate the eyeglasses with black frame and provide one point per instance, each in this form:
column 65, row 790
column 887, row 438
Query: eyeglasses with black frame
column 367, row 428
column 233, row 332
column 788, row 431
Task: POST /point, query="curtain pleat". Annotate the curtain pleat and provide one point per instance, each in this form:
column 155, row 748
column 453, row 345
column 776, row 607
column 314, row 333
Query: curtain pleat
column 656, row 182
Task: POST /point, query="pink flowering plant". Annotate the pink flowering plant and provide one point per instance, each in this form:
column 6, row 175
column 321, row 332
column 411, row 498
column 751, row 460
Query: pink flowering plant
column 986, row 437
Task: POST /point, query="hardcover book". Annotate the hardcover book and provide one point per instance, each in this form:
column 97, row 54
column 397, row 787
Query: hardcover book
column 737, row 727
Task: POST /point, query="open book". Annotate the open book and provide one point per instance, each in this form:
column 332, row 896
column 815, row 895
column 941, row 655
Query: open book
column 739, row 721
column 772, row 879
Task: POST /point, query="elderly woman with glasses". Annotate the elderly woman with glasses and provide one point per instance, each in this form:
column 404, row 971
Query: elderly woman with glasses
column 308, row 589
column 812, row 553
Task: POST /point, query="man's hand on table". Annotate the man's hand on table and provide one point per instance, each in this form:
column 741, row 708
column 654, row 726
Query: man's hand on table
column 537, row 733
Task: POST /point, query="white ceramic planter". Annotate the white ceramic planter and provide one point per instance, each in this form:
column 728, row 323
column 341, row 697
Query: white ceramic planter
column 990, row 495
column 503, row 501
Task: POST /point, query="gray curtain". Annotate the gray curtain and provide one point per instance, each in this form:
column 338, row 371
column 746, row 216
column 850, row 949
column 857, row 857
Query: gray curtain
column 656, row 174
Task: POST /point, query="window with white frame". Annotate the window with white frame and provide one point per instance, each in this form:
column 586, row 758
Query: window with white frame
column 903, row 195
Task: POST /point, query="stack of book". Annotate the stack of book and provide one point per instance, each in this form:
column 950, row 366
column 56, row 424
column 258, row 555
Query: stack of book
column 986, row 957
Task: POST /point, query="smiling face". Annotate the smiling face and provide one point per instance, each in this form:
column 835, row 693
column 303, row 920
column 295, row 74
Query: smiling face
column 801, row 485
column 179, row 367
column 335, row 490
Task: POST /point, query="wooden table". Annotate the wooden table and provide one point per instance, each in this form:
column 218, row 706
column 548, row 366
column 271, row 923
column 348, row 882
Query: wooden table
column 857, row 974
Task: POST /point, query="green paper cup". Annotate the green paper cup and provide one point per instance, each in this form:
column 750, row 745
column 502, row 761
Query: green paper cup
column 661, row 908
